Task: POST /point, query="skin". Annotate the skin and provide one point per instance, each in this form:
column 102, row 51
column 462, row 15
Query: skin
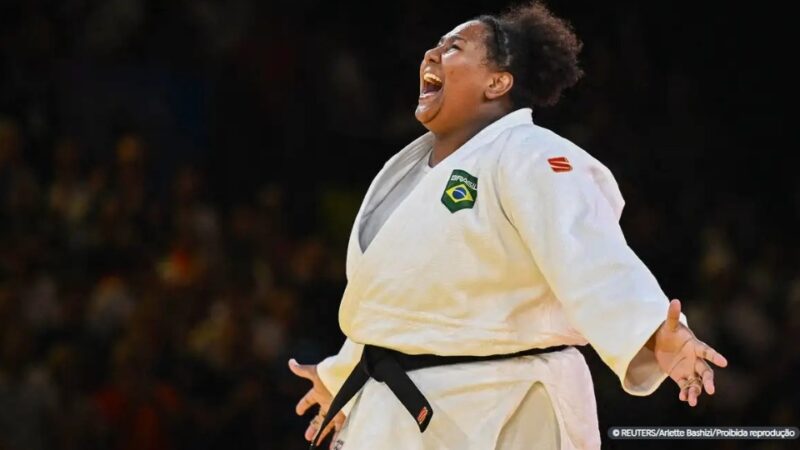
column 474, row 94
column 684, row 357
column 317, row 395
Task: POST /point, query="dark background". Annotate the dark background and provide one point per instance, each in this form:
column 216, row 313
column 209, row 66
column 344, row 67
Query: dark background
column 178, row 179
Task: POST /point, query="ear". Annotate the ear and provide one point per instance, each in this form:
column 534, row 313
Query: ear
column 499, row 85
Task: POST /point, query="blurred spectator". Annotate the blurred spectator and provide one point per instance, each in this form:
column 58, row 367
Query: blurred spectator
column 27, row 397
column 136, row 410
column 19, row 189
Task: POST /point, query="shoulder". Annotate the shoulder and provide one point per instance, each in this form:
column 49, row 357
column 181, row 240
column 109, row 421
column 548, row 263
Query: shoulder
column 534, row 155
column 533, row 145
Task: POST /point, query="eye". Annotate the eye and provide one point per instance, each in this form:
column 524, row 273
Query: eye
column 453, row 47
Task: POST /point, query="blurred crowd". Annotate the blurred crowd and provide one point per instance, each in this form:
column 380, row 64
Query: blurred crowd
column 177, row 182
column 133, row 322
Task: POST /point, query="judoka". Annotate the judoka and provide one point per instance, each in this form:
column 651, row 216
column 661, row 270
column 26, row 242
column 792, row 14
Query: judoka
column 482, row 254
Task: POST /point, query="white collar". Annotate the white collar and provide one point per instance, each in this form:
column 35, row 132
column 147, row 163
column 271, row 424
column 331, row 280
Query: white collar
column 423, row 144
column 521, row 116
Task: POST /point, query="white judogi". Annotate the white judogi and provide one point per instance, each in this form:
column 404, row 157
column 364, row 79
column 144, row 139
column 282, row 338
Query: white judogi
column 538, row 260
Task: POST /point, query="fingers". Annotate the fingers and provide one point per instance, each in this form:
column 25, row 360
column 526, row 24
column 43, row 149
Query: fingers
column 704, row 351
column 311, row 398
column 306, row 402
column 311, row 431
column 706, row 375
column 673, row 315
column 693, row 392
column 306, row 371
column 330, row 427
column 690, row 390
column 692, row 379
column 333, row 440
column 338, row 421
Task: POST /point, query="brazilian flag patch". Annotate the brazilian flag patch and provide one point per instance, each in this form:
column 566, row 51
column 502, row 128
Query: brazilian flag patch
column 461, row 191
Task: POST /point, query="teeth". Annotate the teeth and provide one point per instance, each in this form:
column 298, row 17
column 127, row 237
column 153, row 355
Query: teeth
column 431, row 78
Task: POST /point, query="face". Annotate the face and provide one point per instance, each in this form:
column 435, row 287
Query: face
column 455, row 79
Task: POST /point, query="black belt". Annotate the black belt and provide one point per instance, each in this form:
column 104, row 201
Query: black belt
column 390, row 367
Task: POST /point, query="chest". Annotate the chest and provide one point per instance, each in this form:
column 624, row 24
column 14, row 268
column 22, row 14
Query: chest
column 453, row 205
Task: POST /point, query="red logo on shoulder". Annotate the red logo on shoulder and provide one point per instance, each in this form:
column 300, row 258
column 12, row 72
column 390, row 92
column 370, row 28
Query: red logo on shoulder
column 560, row 164
column 423, row 413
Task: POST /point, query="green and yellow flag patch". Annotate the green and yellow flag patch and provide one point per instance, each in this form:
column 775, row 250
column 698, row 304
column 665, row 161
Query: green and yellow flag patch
column 461, row 191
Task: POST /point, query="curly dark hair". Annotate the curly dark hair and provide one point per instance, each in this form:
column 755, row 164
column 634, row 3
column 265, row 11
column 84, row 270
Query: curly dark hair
column 539, row 49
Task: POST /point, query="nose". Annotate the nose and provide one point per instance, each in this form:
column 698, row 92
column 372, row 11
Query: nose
column 433, row 55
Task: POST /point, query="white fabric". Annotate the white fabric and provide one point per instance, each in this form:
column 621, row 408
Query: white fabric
column 533, row 425
column 538, row 261
column 473, row 405
column 375, row 220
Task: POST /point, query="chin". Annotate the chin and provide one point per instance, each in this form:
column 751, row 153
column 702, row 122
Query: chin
column 429, row 111
column 426, row 117
column 423, row 121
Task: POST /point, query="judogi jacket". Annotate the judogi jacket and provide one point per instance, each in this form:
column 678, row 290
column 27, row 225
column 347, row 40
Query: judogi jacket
column 512, row 242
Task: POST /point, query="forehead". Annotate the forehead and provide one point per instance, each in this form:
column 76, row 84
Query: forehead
column 471, row 30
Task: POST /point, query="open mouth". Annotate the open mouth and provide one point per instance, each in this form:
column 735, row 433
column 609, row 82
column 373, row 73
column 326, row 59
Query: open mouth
column 431, row 84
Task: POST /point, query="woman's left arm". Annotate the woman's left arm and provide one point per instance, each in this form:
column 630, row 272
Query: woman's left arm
column 566, row 207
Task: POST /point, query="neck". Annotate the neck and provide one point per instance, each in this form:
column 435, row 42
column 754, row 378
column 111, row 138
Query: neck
column 445, row 143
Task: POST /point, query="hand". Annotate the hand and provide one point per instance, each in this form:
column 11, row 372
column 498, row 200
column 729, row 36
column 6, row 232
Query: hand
column 683, row 357
column 318, row 394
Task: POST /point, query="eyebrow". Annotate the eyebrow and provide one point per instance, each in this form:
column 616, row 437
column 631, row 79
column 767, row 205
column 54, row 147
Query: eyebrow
column 453, row 37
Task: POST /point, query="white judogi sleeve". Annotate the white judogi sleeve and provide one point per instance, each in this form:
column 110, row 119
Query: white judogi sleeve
column 333, row 370
column 569, row 221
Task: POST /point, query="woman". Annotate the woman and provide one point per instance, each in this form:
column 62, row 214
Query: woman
column 482, row 254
